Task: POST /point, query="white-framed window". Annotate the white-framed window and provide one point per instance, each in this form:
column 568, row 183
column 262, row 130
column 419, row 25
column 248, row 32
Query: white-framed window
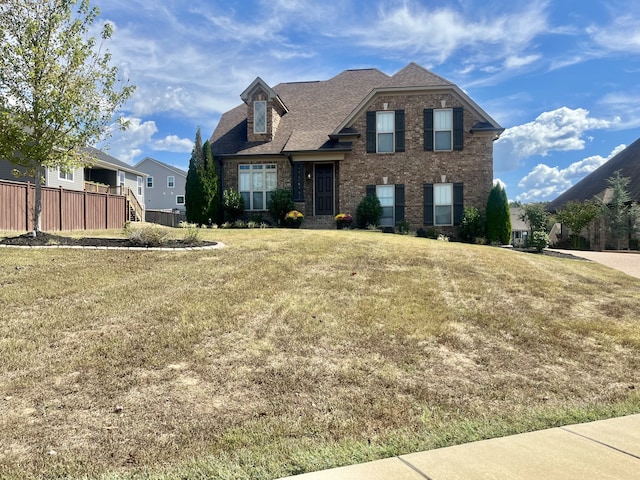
column 443, row 204
column 260, row 116
column 65, row 174
column 255, row 184
column 171, row 181
column 179, row 199
column 443, row 129
column 139, row 183
column 386, row 194
column 149, row 181
column 121, row 178
column 385, row 128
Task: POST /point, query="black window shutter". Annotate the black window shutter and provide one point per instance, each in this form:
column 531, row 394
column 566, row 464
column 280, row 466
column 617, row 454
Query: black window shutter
column 458, row 130
column 399, row 130
column 428, row 203
column 458, row 202
column 371, row 132
column 297, row 181
column 399, row 203
column 371, row 190
column 428, row 129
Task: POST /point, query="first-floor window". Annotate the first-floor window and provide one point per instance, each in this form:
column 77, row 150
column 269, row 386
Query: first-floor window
column 179, row 199
column 65, row 174
column 385, row 194
column 255, row 184
column 443, row 203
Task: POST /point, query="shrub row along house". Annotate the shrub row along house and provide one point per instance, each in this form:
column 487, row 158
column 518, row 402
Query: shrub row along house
column 414, row 139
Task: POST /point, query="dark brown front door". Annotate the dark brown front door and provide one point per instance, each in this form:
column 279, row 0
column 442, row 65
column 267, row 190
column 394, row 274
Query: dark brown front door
column 324, row 189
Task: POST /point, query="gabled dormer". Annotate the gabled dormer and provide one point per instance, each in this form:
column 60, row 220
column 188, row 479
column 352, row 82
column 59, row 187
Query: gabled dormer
column 264, row 111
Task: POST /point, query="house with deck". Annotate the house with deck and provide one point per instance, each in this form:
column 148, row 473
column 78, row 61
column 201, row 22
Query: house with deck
column 414, row 139
column 164, row 185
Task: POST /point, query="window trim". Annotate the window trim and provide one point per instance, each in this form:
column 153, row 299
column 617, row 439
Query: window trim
column 66, row 176
column 392, row 114
column 171, row 181
column 180, row 203
column 436, row 205
column 149, row 183
column 263, row 106
column 249, row 169
column 436, row 130
column 139, row 185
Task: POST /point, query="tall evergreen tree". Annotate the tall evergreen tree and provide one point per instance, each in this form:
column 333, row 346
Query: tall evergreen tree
column 498, row 216
column 209, row 180
column 194, row 190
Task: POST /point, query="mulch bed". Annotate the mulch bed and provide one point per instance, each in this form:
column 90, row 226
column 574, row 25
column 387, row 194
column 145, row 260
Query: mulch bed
column 47, row 239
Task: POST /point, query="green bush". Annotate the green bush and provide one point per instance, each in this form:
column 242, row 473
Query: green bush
column 539, row 240
column 472, row 226
column 369, row 212
column 279, row 204
column 233, row 204
column 148, row 236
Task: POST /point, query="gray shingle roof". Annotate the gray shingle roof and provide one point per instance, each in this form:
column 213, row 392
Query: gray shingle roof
column 627, row 161
column 316, row 109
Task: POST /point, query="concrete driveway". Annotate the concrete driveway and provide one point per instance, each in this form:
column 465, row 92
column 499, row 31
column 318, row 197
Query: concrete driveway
column 627, row 262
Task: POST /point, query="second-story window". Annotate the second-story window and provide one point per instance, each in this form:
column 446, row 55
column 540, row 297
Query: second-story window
column 260, row 116
column 171, row 181
column 149, row 182
column 443, row 129
column 384, row 131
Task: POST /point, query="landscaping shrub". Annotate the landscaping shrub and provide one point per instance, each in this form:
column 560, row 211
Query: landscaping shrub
column 233, row 204
column 472, row 226
column 279, row 204
column 369, row 212
column 539, row 240
column 148, row 236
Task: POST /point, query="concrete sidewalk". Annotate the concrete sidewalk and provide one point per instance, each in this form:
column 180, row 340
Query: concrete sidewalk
column 627, row 262
column 607, row 449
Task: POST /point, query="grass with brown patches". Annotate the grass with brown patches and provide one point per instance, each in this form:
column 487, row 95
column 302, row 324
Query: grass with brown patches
column 289, row 351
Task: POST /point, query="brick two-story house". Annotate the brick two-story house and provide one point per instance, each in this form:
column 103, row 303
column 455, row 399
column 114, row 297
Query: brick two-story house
column 414, row 139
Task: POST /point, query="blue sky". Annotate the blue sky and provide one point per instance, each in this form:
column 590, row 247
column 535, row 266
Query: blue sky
column 562, row 77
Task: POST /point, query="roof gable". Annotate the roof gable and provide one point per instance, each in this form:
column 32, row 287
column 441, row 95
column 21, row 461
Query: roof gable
column 627, row 161
column 178, row 171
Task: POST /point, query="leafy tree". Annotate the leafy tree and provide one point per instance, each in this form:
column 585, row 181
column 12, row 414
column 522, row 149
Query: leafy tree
column 576, row 216
column 280, row 203
column 472, row 226
column 619, row 211
column 498, row 217
column 58, row 92
column 536, row 217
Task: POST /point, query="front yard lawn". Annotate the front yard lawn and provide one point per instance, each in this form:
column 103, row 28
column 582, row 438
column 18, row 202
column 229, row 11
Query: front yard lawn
column 294, row 350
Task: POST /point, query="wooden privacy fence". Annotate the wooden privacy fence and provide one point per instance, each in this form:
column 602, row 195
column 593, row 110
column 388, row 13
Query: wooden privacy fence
column 61, row 209
column 170, row 219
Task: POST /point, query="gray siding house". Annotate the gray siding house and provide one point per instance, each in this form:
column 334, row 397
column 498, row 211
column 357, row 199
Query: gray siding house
column 104, row 174
column 164, row 185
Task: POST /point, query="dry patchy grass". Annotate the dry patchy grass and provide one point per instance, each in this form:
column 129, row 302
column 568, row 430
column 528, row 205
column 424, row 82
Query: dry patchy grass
column 289, row 351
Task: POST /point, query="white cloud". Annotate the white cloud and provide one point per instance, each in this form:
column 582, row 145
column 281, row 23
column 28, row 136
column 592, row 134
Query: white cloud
column 520, row 61
column 545, row 182
column 562, row 129
column 621, row 35
column 437, row 33
column 173, row 143
column 126, row 145
column 499, row 182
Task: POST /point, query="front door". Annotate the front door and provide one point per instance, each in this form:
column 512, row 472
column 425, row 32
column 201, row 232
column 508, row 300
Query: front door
column 324, row 189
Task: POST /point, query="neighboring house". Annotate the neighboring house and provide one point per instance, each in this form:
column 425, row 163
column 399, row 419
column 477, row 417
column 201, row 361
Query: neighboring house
column 106, row 174
column 595, row 186
column 414, row 139
column 519, row 228
column 164, row 186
